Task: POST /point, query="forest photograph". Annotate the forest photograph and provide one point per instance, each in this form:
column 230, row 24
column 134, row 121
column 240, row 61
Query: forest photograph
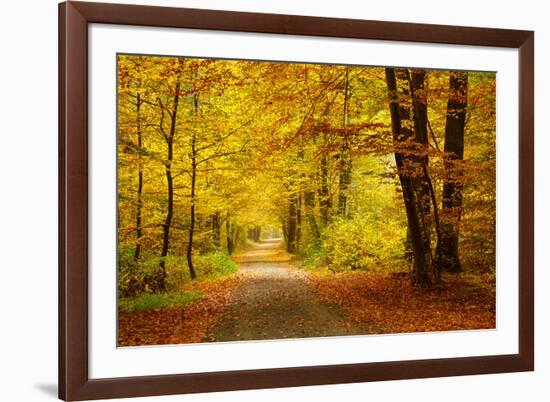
column 273, row 200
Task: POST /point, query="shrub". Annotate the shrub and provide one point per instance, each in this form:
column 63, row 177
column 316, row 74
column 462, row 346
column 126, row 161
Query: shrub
column 208, row 266
column 362, row 244
column 134, row 277
column 214, row 265
column 313, row 253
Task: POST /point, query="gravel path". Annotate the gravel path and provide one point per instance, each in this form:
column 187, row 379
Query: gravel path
column 275, row 301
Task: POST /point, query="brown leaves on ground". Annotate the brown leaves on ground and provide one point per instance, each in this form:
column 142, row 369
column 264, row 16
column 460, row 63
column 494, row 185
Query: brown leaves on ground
column 389, row 304
column 178, row 325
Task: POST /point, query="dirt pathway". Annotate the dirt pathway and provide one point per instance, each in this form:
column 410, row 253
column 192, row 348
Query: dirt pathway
column 275, row 301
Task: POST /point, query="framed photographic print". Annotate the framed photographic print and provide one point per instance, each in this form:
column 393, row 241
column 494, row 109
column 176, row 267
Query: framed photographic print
column 260, row 200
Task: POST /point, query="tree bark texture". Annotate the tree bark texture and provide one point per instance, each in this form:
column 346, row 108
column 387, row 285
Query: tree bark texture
column 401, row 111
column 139, row 232
column 452, row 186
column 161, row 270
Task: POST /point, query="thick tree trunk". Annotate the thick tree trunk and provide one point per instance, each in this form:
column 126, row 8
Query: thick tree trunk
column 402, row 130
column 452, row 186
column 161, row 269
column 420, row 112
column 425, row 192
column 139, row 233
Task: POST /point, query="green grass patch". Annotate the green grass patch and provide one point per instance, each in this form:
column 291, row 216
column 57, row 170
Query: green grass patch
column 214, row 265
column 153, row 301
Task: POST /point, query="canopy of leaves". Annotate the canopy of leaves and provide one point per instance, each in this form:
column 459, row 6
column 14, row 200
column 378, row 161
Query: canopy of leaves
column 302, row 151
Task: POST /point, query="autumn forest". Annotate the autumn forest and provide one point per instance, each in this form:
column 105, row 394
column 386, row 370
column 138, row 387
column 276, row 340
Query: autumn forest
column 271, row 200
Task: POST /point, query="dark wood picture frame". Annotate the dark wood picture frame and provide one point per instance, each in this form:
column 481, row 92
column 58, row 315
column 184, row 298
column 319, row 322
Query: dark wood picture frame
column 74, row 382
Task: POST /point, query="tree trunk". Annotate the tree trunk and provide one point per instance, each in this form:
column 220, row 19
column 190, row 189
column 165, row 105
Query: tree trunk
column 234, row 235
column 257, row 231
column 420, row 108
column 309, row 204
column 344, row 185
column 403, row 130
column 298, row 222
column 345, row 158
column 452, row 186
column 325, row 203
column 193, row 185
column 424, row 186
column 160, row 284
column 215, row 227
column 291, row 245
column 228, row 235
column 139, row 233
column 284, row 226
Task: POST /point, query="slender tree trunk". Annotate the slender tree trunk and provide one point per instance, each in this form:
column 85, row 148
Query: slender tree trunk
column 228, row 235
column 139, row 233
column 161, row 270
column 345, row 158
column 284, row 226
column 325, row 203
column 402, row 130
column 215, row 227
column 298, row 222
column 344, row 185
column 235, row 235
column 452, row 186
column 292, row 223
column 309, row 204
column 192, row 213
column 256, row 233
column 193, row 197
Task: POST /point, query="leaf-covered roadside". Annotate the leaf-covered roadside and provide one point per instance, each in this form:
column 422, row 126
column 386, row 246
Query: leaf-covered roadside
column 153, row 301
column 390, row 305
column 178, row 325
